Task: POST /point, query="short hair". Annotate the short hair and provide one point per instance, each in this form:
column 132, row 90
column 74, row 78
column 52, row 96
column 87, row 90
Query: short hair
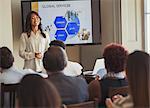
column 138, row 74
column 37, row 92
column 6, row 58
column 115, row 56
column 55, row 59
column 58, row 43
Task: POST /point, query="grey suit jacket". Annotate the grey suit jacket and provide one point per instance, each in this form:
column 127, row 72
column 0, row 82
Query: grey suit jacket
column 71, row 89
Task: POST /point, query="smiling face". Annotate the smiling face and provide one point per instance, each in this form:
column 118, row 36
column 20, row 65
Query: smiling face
column 35, row 20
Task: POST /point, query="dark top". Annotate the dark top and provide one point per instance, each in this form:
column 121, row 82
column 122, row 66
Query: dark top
column 106, row 83
column 71, row 89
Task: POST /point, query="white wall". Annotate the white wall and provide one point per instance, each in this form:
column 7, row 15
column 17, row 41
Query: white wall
column 147, row 24
column 6, row 38
column 17, row 29
column 132, row 24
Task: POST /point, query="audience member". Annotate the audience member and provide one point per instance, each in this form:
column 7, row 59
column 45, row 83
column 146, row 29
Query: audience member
column 33, row 43
column 138, row 68
column 71, row 89
column 72, row 68
column 115, row 57
column 138, row 71
column 9, row 73
column 37, row 92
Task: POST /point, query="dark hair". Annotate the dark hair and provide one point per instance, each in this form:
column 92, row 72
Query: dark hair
column 58, row 43
column 28, row 24
column 6, row 58
column 55, row 59
column 115, row 57
column 138, row 71
column 37, row 92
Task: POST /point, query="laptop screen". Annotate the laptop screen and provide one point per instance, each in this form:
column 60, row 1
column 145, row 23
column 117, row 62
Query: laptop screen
column 99, row 68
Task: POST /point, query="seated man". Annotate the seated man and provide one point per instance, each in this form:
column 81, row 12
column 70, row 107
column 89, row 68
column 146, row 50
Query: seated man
column 9, row 74
column 72, row 68
column 71, row 89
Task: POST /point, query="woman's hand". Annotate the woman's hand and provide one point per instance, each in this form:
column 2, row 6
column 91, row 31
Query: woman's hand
column 109, row 103
column 117, row 97
column 38, row 55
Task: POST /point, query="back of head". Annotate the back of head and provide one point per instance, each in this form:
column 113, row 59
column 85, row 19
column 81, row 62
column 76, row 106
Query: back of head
column 6, row 58
column 138, row 68
column 55, row 59
column 58, row 43
column 115, row 56
column 35, row 91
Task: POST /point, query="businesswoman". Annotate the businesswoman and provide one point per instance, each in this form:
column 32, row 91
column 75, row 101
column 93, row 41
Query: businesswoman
column 33, row 43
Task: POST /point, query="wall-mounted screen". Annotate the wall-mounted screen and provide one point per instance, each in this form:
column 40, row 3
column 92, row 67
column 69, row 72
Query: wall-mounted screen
column 72, row 21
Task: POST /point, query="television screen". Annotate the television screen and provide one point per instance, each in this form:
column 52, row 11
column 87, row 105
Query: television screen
column 72, row 21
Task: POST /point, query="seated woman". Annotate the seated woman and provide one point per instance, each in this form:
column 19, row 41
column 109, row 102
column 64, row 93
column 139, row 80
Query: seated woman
column 138, row 68
column 36, row 92
column 115, row 57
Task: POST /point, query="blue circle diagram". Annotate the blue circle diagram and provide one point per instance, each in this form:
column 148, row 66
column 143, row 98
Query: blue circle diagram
column 67, row 26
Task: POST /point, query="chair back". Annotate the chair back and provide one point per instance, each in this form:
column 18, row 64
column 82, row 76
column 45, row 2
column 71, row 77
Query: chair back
column 89, row 78
column 88, row 104
column 94, row 90
column 118, row 90
column 11, row 89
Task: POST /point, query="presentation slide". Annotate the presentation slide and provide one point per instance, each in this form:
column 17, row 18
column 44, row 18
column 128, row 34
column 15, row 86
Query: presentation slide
column 69, row 21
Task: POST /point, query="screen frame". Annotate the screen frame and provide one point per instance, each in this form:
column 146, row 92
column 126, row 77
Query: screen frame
column 96, row 20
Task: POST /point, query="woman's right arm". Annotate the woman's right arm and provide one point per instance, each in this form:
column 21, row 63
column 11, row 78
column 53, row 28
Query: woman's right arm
column 22, row 48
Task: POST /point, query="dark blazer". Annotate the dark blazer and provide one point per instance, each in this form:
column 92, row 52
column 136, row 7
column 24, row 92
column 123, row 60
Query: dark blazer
column 71, row 89
column 110, row 82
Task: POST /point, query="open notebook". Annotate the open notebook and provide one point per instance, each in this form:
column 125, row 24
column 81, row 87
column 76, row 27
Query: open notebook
column 99, row 68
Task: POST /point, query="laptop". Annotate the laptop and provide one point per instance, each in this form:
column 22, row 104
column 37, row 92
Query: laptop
column 99, row 68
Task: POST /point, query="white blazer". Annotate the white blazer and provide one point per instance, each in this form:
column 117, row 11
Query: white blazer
column 28, row 47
